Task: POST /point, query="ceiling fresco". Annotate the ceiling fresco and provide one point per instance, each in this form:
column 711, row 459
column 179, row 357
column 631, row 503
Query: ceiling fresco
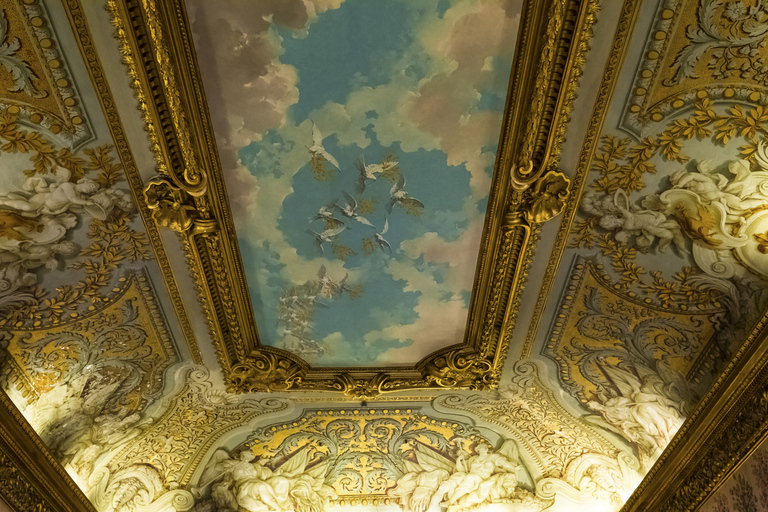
column 358, row 164
column 353, row 170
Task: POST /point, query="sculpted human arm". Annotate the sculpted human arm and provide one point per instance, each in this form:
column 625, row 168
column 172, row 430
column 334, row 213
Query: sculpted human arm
column 505, row 464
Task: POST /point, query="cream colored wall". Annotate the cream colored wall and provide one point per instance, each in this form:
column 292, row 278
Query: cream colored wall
column 4, row 507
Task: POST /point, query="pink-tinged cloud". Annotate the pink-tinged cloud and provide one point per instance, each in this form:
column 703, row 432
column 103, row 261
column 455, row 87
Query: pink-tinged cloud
column 460, row 254
column 471, row 38
column 248, row 89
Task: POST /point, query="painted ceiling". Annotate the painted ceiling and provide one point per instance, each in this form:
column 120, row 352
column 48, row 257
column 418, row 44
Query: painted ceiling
column 344, row 255
column 358, row 142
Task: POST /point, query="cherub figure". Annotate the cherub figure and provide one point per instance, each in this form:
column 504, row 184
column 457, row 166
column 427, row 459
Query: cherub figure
column 707, row 184
column 627, row 220
column 485, row 477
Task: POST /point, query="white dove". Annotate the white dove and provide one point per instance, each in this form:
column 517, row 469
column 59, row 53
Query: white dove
column 369, row 172
column 379, row 237
column 326, row 214
column 318, row 149
column 398, row 195
column 326, row 236
column 350, row 210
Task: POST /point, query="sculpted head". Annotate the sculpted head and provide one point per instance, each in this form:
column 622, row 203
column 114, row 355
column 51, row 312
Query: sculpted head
column 123, row 200
column 509, row 481
column 482, row 449
column 602, row 476
column 87, row 186
column 65, row 248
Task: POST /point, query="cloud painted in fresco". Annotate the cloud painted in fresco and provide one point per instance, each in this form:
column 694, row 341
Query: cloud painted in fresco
column 239, row 50
column 433, row 95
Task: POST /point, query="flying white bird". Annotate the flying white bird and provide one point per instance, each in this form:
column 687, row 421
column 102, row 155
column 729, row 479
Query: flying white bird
column 318, row 149
column 369, row 172
column 350, row 210
column 326, row 236
column 343, row 286
column 379, row 237
column 397, row 194
column 326, row 214
column 325, row 285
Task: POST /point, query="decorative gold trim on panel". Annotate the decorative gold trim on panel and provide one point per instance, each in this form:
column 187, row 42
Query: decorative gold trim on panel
column 41, row 92
column 169, row 89
column 550, row 101
column 30, row 478
column 725, row 428
column 591, row 138
column 90, row 56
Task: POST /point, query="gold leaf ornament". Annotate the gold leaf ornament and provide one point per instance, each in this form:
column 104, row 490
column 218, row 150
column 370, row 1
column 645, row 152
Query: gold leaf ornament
column 167, row 204
column 463, row 368
column 547, row 197
column 264, row 373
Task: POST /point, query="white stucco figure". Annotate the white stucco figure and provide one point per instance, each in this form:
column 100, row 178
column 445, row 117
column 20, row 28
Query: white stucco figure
column 628, row 220
column 416, row 487
column 643, row 412
column 35, row 221
column 484, row 477
column 707, row 184
column 247, row 486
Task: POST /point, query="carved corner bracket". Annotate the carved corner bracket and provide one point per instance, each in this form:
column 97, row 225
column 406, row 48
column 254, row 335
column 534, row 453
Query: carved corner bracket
column 189, row 196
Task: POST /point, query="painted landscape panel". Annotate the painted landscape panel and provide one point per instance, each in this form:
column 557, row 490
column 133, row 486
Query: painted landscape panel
column 358, row 140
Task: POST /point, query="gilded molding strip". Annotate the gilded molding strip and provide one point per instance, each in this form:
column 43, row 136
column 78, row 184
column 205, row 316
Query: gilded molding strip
column 728, row 424
column 91, row 58
column 56, row 106
column 604, row 95
column 30, row 478
column 168, row 83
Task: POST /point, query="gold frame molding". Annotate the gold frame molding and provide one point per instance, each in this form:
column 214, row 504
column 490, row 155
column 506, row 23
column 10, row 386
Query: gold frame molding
column 92, row 62
column 30, row 478
column 189, row 196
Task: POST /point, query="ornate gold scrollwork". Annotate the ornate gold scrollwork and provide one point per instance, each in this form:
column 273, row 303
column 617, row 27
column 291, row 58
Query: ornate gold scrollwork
column 463, row 368
column 167, row 202
column 558, row 72
column 186, row 204
column 547, row 197
column 360, row 388
column 542, row 201
column 264, row 372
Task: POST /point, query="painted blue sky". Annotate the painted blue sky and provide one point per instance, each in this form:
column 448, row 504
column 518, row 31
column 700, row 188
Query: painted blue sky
column 414, row 87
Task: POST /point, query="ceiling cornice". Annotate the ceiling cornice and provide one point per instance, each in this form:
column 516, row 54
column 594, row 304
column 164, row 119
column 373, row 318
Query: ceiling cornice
column 721, row 433
column 30, row 478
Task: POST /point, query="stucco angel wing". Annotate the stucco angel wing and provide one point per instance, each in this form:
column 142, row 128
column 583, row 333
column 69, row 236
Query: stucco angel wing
column 219, row 464
column 510, row 450
column 431, row 460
